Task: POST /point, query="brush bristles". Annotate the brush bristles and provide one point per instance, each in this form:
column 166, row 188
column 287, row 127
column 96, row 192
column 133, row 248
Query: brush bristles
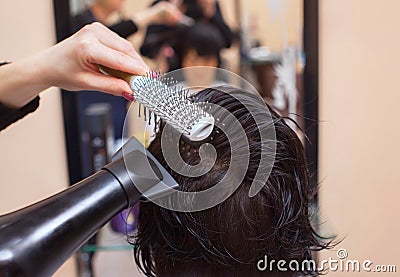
column 163, row 97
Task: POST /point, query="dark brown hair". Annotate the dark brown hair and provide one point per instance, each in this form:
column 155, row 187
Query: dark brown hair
column 203, row 37
column 230, row 238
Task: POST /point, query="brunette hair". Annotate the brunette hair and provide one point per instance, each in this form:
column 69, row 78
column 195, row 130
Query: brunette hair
column 230, row 238
column 203, row 37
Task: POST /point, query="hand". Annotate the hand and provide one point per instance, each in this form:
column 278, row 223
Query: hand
column 73, row 63
column 161, row 60
column 209, row 7
column 165, row 13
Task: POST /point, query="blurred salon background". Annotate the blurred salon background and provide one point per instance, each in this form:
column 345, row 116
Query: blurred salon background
column 330, row 65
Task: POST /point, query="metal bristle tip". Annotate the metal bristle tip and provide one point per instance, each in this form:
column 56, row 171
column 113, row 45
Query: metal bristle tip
column 165, row 99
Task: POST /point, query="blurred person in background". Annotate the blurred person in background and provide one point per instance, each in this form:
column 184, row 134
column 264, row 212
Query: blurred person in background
column 162, row 42
column 101, row 10
column 201, row 46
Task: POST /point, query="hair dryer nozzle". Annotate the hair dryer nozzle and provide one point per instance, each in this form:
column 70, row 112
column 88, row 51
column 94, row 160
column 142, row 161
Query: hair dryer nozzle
column 38, row 239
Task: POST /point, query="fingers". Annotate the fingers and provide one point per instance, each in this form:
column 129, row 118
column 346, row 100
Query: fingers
column 108, row 84
column 176, row 3
column 113, row 40
column 175, row 15
column 78, row 58
column 97, row 53
column 167, row 13
column 109, row 49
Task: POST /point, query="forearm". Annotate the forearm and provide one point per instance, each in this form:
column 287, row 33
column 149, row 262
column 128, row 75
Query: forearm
column 162, row 12
column 143, row 18
column 72, row 65
column 22, row 81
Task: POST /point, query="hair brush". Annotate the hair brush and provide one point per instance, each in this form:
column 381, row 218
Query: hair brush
column 162, row 97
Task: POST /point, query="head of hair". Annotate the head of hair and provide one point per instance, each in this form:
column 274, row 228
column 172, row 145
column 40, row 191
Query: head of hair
column 204, row 38
column 193, row 9
column 231, row 237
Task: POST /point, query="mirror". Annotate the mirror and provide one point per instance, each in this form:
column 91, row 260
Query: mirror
column 274, row 46
column 267, row 49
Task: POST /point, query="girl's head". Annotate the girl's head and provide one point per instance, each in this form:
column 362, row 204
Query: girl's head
column 229, row 239
column 201, row 45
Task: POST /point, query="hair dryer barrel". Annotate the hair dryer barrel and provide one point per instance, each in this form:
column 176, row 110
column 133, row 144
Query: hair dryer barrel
column 37, row 240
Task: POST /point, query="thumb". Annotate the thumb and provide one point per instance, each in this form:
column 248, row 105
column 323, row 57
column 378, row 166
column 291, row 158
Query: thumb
column 105, row 83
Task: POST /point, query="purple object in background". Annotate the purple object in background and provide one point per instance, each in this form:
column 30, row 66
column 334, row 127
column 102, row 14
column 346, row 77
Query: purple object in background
column 126, row 221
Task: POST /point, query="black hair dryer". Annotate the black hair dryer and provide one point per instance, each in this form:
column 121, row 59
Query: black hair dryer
column 38, row 239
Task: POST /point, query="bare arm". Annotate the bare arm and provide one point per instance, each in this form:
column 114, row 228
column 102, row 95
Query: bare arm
column 72, row 65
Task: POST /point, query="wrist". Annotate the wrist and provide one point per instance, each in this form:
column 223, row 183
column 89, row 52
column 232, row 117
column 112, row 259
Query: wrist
column 144, row 18
column 22, row 83
column 48, row 66
column 36, row 71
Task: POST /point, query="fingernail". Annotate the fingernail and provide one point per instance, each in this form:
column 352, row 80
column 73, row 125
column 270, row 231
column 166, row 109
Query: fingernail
column 128, row 96
column 154, row 74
